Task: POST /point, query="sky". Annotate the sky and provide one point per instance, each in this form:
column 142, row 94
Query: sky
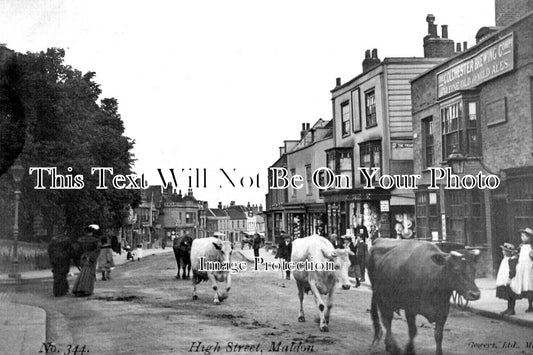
column 220, row 84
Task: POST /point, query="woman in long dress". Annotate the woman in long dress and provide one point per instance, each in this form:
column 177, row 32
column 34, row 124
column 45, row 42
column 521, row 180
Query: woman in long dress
column 522, row 283
column 89, row 247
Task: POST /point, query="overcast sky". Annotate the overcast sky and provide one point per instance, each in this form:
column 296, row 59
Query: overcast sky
column 220, row 84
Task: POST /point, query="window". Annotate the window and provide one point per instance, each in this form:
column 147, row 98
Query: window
column 371, row 157
column 293, row 190
column 460, row 129
column 340, row 161
column 428, row 142
column 308, row 179
column 370, row 108
column 356, row 111
column 345, row 113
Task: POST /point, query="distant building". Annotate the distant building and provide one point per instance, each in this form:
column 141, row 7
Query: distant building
column 180, row 215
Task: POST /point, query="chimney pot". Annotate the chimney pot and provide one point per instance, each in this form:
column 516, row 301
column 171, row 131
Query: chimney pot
column 367, row 54
column 465, row 46
column 374, row 53
column 458, row 50
column 307, row 126
column 338, row 82
column 303, row 126
column 444, row 31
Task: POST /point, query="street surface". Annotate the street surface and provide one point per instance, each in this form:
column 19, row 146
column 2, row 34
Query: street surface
column 145, row 310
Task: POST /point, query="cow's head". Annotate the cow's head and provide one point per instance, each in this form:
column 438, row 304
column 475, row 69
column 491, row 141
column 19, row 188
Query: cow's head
column 223, row 278
column 341, row 262
column 460, row 269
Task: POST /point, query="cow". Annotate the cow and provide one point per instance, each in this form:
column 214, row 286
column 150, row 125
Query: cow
column 419, row 278
column 318, row 249
column 211, row 250
column 182, row 253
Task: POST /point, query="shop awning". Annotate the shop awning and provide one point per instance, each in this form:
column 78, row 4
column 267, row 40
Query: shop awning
column 402, row 197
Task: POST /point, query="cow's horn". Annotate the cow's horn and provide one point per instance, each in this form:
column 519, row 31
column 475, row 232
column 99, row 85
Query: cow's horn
column 454, row 253
column 475, row 252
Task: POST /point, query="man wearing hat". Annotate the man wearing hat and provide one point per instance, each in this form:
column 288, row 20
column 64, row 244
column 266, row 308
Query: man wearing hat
column 506, row 273
column 337, row 244
column 522, row 283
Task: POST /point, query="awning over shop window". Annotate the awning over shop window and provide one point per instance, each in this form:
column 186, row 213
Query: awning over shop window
column 402, row 198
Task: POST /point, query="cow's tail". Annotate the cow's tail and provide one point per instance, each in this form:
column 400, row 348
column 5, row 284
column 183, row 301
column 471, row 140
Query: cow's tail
column 375, row 320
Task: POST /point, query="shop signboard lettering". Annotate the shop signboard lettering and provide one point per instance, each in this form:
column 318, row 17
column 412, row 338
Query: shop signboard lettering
column 490, row 63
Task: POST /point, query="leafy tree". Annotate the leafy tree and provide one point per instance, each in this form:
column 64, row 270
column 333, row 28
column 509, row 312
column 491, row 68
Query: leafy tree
column 67, row 128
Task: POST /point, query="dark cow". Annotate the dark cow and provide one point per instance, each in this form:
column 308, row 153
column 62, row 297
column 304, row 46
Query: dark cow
column 182, row 252
column 418, row 277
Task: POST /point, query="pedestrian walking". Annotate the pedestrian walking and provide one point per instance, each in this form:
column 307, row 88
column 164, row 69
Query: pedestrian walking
column 257, row 244
column 349, row 242
column 105, row 259
column 522, row 283
column 89, row 247
column 60, row 253
column 506, row 273
column 284, row 252
column 361, row 234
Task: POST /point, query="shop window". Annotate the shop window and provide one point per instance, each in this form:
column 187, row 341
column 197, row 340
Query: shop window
column 370, row 108
column 371, row 157
column 429, row 142
column 345, row 113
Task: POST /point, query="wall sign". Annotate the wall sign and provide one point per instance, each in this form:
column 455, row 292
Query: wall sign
column 384, row 205
column 493, row 61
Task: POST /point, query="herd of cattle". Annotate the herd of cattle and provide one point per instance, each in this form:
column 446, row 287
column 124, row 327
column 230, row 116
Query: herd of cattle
column 415, row 276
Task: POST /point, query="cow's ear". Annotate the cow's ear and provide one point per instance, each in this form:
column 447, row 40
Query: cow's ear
column 439, row 259
column 217, row 247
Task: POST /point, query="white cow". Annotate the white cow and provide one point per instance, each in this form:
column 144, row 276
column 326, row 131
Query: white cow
column 319, row 250
column 217, row 252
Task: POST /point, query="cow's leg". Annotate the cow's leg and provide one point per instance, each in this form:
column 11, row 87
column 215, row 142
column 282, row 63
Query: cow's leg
column 301, row 316
column 375, row 319
column 439, row 327
column 211, row 278
column 329, row 304
column 177, row 256
column 386, row 319
column 320, row 305
column 411, row 323
column 194, row 296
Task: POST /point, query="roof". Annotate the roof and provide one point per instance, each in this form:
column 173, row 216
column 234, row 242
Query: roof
column 236, row 212
column 218, row 212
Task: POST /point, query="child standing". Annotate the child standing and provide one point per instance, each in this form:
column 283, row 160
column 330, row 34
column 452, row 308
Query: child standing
column 522, row 284
column 105, row 259
column 139, row 252
column 506, row 273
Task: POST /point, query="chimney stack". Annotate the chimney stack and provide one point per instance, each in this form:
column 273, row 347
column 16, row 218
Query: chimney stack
column 465, row 46
column 189, row 192
column 370, row 61
column 444, row 31
column 434, row 46
column 338, row 82
column 220, row 205
column 458, row 50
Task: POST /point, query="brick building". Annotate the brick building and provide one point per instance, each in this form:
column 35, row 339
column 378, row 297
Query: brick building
column 472, row 114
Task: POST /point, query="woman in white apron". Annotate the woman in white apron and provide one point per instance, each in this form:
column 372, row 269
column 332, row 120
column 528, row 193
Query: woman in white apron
column 522, row 283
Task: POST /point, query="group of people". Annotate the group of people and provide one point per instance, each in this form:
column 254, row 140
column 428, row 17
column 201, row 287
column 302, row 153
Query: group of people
column 515, row 276
column 90, row 253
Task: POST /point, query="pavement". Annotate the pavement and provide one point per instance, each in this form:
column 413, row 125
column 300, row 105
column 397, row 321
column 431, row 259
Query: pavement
column 488, row 305
column 23, row 327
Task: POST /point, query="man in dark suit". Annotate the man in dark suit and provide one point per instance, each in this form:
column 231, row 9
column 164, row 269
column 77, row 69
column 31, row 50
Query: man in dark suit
column 284, row 252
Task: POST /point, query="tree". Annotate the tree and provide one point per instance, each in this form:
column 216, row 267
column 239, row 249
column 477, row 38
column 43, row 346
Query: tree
column 65, row 127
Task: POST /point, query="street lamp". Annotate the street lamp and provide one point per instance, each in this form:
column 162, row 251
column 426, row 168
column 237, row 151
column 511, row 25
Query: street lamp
column 457, row 161
column 18, row 172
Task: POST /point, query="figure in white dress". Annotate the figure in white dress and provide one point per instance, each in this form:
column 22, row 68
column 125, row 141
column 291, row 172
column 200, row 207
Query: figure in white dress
column 522, row 283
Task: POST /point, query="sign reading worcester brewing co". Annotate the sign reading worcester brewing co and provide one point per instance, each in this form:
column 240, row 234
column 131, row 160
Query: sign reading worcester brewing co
column 491, row 62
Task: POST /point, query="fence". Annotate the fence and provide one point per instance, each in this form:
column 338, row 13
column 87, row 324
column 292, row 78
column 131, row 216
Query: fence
column 31, row 256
